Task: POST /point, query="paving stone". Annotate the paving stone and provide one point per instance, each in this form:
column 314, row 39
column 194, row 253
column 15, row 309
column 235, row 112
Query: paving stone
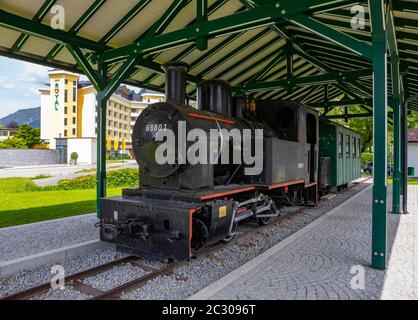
column 34, row 238
column 321, row 263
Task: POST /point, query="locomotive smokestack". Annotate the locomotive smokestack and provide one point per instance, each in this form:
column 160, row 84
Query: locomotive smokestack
column 175, row 81
column 216, row 96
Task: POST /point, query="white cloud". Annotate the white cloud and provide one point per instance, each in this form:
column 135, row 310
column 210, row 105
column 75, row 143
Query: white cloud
column 35, row 91
column 33, row 74
column 5, row 83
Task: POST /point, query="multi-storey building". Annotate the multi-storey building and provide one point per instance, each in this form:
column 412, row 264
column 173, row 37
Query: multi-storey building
column 68, row 110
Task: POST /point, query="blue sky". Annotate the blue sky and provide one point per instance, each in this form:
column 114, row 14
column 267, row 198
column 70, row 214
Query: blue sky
column 19, row 84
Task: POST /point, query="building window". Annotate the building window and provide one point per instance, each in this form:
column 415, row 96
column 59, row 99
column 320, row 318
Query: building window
column 340, row 145
column 149, row 100
column 65, row 133
column 66, row 81
column 74, row 132
column 75, row 83
column 348, row 147
column 358, row 148
column 74, row 109
column 74, row 120
column 65, row 122
column 354, row 148
column 65, row 95
column 65, row 110
column 74, row 94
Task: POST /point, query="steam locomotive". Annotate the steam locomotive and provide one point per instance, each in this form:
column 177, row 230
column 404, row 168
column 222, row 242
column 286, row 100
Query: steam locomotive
column 184, row 205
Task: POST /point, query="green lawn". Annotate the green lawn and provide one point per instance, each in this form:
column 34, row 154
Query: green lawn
column 22, row 203
column 410, row 181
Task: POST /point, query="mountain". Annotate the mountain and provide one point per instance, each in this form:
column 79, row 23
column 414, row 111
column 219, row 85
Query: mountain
column 30, row 116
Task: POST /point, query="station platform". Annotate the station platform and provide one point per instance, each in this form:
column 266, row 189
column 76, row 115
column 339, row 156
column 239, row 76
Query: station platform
column 330, row 259
column 35, row 238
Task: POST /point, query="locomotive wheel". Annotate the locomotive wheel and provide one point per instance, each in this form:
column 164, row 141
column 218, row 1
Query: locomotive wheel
column 267, row 220
column 200, row 234
column 231, row 237
column 264, row 221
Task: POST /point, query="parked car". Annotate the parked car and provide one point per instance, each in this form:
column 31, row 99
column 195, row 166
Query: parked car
column 368, row 168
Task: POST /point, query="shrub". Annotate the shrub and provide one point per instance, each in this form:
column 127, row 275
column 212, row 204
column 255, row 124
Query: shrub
column 366, row 157
column 123, row 177
column 74, row 156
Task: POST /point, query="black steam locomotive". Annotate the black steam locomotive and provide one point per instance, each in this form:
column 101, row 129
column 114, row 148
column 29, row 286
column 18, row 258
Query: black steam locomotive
column 183, row 206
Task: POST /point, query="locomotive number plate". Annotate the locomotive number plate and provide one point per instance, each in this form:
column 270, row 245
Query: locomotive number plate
column 156, row 127
column 222, row 212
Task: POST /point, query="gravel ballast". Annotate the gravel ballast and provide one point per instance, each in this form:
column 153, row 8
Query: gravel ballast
column 115, row 277
column 189, row 278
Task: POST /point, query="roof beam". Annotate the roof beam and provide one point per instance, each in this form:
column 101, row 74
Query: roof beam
column 42, row 12
column 37, row 29
column 344, row 102
column 238, row 22
column 349, row 116
column 362, row 48
column 88, row 70
column 124, row 21
column 215, row 6
column 77, row 26
column 332, row 77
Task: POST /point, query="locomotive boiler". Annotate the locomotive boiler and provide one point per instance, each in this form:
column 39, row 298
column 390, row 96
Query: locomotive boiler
column 204, row 170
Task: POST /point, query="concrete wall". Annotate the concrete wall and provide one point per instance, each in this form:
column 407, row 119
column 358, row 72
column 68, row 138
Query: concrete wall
column 413, row 156
column 86, row 149
column 28, row 157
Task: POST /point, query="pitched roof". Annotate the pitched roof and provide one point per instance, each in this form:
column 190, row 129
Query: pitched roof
column 413, row 135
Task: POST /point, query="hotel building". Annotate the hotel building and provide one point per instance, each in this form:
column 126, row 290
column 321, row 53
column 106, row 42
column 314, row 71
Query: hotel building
column 68, row 112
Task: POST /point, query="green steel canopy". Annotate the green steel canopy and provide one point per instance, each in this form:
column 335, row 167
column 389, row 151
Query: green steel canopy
column 323, row 53
column 267, row 51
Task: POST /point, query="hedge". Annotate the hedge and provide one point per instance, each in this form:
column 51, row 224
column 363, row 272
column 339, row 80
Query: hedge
column 116, row 178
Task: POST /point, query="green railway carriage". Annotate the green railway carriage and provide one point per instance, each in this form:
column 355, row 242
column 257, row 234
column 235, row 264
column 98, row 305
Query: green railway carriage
column 339, row 152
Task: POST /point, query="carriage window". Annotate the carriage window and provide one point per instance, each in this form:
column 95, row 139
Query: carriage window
column 354, row 148
column 340, row 145
column 348, row 147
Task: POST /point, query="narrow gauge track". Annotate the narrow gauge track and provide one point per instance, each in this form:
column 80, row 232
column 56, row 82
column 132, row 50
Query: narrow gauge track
column 75, row 280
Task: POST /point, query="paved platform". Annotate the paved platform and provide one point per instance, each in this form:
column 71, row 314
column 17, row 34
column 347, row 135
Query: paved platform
column 35, row 238
column 330, row 259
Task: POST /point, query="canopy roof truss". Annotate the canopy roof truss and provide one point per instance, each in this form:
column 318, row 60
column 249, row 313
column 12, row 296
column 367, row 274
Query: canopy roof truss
column 230, row 39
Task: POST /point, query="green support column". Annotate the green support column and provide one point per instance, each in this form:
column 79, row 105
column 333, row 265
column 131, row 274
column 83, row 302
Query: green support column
column 402, row 146
column 379, row 214
column 396, row 105
column 101, row 140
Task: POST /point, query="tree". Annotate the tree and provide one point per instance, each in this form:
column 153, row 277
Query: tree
column 26, row 137
column 12, row 125
column 31, row 136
